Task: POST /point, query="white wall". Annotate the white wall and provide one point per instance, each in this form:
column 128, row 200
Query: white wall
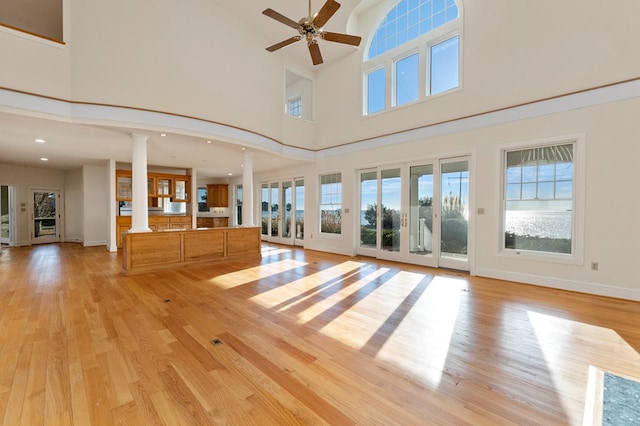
column 96, row 200
column 513, row 52
column 193, row 60
column 74, row 210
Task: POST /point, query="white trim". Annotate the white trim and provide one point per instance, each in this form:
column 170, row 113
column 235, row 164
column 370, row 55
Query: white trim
column 590, row 98
column 21, row 103
column 562, row 284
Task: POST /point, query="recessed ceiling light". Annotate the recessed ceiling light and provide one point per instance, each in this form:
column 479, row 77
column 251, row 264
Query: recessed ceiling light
column 44, row 159
column 163, row 134
column 208, row 141
column 40, row 141
column 230, row 174
column 243, row 149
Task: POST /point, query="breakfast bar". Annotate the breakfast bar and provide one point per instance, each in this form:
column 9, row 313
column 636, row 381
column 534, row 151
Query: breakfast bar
column 152, row 251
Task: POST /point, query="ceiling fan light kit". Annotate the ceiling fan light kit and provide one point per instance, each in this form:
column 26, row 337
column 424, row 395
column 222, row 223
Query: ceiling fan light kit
column 310, row 29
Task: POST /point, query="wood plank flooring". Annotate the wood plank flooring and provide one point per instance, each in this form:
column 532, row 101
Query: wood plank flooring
column 297, row 338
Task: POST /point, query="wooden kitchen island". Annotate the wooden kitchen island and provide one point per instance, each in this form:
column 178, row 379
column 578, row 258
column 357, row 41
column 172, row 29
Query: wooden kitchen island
column 152, row 251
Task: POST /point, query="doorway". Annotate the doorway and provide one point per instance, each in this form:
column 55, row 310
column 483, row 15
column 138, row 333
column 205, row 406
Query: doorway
column 282, row 211
column 416, row 213
column 7, row 214
column 46, row 216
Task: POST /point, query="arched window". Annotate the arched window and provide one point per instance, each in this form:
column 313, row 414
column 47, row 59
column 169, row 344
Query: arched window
column 413, row 54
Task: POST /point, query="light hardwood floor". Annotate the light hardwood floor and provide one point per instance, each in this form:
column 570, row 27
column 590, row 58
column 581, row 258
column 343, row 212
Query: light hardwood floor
column 300, row 337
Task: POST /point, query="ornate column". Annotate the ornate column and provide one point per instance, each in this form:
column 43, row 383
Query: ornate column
column 139, row 196
column 247, row 190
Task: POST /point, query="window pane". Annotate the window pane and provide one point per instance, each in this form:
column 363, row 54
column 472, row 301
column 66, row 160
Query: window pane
column 407, row 79
column 564, row 171
column 528, row 191
column 331, row 203
column 376, row 91
column 513, row 192
column 529, row 173
column 514, row 174
column 546, row 190
column 564, row 189
column 444, row 66
column 546, row 172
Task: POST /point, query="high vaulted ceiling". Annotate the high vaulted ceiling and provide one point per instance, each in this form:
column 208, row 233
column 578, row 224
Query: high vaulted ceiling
column 71, row 145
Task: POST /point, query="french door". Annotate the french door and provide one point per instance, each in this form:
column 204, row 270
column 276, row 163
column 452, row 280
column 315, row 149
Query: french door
column 416, row 213
column 46, row 217
column 282, row 211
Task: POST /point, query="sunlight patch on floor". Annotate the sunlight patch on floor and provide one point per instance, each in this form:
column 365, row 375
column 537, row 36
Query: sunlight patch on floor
column 281, row 298
column 267, row 251
column 423, row 355
column 358, row 321
column 333, row 300
column 603, row 344
column 244, row 276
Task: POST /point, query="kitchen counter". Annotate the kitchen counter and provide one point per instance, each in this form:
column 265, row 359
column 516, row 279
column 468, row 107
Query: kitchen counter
column 152, row 251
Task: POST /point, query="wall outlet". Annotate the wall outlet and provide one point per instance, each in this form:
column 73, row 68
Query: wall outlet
column 594, row 266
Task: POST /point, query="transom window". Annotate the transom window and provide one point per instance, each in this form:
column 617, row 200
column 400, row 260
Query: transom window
column 413, row 54
column 408, row 20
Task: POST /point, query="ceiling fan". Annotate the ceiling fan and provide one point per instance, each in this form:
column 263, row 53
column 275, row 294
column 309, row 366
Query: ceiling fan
column 310, row 29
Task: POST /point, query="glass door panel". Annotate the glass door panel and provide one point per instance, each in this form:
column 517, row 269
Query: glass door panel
column 45, row 217
column 390, row 202
column 264, row 198
column 287, row 204
column 368, row 212
column 421, row 209
column 5, row 214
column 454, row 213
column 299, row 212
column 275, row 210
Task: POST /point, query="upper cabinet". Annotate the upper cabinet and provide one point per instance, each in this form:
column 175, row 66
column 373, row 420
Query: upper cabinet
column 164, row 187
column 181, row 189
column 123, row 187
column 218, row 195
column 159, row 185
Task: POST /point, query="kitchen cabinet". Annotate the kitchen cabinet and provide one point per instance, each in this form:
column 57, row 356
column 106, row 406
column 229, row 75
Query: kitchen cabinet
column 124, row 187
column 218, row 195
column 156, row 223
column 212, row 222
column 159, row 185
column 181, row 190
column 164, row 187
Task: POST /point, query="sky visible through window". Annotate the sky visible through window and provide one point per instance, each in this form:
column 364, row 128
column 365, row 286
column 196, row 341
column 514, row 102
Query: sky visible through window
column 410, row 19
column 406, row 21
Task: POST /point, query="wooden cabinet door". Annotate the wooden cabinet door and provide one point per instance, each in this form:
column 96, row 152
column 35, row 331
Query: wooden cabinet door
column 218, row 195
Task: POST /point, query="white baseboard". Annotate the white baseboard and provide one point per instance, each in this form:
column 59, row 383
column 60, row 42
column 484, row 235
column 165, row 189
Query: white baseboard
column 562, row 284
column 95, row 243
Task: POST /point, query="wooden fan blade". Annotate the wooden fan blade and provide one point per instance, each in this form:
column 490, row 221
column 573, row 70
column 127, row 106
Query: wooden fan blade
column 283, row 43
column 327, row 11
column 316, row 56
column 280, row 18
column 342, row 38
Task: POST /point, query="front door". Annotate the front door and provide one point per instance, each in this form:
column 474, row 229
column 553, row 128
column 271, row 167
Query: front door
column 46, row 217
